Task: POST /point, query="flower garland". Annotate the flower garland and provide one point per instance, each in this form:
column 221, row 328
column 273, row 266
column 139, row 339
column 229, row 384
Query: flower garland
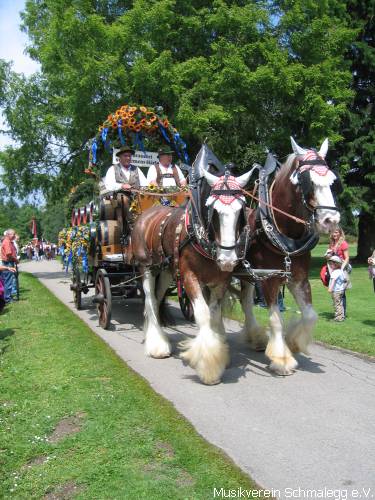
column 73, row 246
column 131, row 125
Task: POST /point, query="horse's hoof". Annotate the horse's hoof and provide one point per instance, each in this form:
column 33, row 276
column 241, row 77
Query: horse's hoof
column 283, row 367
column 160, row 352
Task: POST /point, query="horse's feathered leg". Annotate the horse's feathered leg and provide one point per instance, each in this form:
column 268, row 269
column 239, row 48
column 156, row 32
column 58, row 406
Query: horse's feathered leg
column 252, row 331
column 282, row 361
column 208, row 353
column 162, row 284
column 156, row 342
column 215, row 305
column 299, row 331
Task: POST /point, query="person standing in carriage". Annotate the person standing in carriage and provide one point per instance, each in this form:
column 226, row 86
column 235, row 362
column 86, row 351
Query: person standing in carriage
column 165, row 173
column 123, row 175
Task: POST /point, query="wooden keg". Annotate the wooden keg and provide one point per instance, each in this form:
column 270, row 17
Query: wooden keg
column 93, row 229
column 107, row 209
column 109, row 232
column 83, row 215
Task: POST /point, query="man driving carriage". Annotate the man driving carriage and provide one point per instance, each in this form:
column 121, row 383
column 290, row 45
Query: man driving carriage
column 165, row 173
column 124, row 175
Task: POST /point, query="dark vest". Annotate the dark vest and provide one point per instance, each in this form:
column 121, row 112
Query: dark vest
column 133, row 175
column 160, row 176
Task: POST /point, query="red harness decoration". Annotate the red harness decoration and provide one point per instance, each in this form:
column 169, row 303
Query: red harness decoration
column 226, row 183
column 318, row 169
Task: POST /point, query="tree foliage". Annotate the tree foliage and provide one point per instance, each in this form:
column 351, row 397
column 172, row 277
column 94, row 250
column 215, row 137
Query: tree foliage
column 244, row 75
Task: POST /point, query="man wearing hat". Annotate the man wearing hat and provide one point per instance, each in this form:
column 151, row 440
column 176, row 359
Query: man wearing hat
column 124, row 175
column 164, row 173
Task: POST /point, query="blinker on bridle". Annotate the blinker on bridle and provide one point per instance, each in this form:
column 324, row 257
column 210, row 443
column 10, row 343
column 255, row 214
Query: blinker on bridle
column 311, row 164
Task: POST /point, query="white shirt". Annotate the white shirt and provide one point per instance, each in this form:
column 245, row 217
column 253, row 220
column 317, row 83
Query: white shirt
column 340, row 282
column 166, row 181
column 110, row 179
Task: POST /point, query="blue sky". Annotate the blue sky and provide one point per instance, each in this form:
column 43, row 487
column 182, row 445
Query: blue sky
column 13, row 42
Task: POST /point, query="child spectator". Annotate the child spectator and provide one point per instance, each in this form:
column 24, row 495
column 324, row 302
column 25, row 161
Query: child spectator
column 337, row 287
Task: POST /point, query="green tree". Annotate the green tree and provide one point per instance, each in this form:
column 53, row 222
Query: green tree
column 357, row 151
column 245, row 75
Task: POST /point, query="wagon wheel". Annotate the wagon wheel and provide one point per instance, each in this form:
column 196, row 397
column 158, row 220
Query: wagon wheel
column 104, row 298
column 77, row 290
column 186, row 306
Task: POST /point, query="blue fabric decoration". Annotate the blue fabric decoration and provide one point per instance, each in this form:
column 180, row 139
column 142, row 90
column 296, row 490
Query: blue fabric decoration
column 120, row 134
column 164, row 133
column 139, row 141
column 69, row 261
column 85, row 262
column 94, row 148
column 105, row 139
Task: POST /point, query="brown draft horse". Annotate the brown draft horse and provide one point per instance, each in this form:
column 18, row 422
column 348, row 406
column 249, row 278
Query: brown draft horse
column 200, row 244
column 304, row 187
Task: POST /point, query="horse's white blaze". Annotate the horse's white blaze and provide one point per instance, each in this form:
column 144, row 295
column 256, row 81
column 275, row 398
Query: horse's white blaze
column 299, row 331
column 156, row 343
column 282, row 361
column 207, row 353
column 326, row 219
column 228, row 217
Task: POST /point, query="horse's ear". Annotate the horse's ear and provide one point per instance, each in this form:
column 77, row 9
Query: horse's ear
column 210, row 178
column 297, row 149
column 244, row 178
column 323, row 149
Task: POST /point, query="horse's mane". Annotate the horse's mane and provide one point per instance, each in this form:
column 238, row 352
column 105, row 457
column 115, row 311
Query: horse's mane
column 286, row 168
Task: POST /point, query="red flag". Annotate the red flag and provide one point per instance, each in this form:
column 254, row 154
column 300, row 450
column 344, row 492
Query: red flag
column 33, row 228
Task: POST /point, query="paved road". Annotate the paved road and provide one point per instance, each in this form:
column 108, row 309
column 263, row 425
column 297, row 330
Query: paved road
column 313, row 430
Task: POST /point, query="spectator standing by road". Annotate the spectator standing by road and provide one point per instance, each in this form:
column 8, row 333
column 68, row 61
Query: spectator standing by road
column 340, row 247
column 9, row 259
column 371, row 268
column 337, row 286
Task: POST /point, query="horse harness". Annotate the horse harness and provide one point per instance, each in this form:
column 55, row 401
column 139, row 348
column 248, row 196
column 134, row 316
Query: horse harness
column 266, row 224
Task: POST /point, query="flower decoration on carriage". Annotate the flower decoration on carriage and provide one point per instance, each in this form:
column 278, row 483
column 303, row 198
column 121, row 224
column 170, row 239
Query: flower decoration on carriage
column 137, row 125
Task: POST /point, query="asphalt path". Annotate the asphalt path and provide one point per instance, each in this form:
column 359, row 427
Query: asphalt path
column 314, row 430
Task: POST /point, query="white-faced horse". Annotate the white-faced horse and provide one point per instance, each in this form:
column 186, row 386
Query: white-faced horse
column 304, row 188
column 198, row 245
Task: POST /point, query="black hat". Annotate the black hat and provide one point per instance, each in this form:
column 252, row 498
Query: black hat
column 165, row 150
column 125, row 149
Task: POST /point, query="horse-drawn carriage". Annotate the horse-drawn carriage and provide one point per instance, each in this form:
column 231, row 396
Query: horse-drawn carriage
column 109, row 266
column 211, row 239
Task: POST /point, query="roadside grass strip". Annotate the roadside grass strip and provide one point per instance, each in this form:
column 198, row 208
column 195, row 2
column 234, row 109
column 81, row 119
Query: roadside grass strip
column 357, row 332
column 75, row 421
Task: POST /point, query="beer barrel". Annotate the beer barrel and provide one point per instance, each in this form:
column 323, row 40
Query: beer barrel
column 93, row 229
column 83, row 215
column 109, row 232
column 107, row 209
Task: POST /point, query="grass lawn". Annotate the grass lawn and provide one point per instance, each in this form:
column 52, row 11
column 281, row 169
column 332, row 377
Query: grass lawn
column 76, row 421
column 357, row 333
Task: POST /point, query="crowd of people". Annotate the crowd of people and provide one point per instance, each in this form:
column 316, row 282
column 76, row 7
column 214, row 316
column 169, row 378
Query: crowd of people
column 39, row 250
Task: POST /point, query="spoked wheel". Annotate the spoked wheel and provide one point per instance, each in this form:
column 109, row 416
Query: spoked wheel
column 103, row 298
column 77, row 289
column 186, row 306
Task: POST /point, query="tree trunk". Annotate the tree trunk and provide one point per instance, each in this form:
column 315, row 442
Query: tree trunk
column 366, row 236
